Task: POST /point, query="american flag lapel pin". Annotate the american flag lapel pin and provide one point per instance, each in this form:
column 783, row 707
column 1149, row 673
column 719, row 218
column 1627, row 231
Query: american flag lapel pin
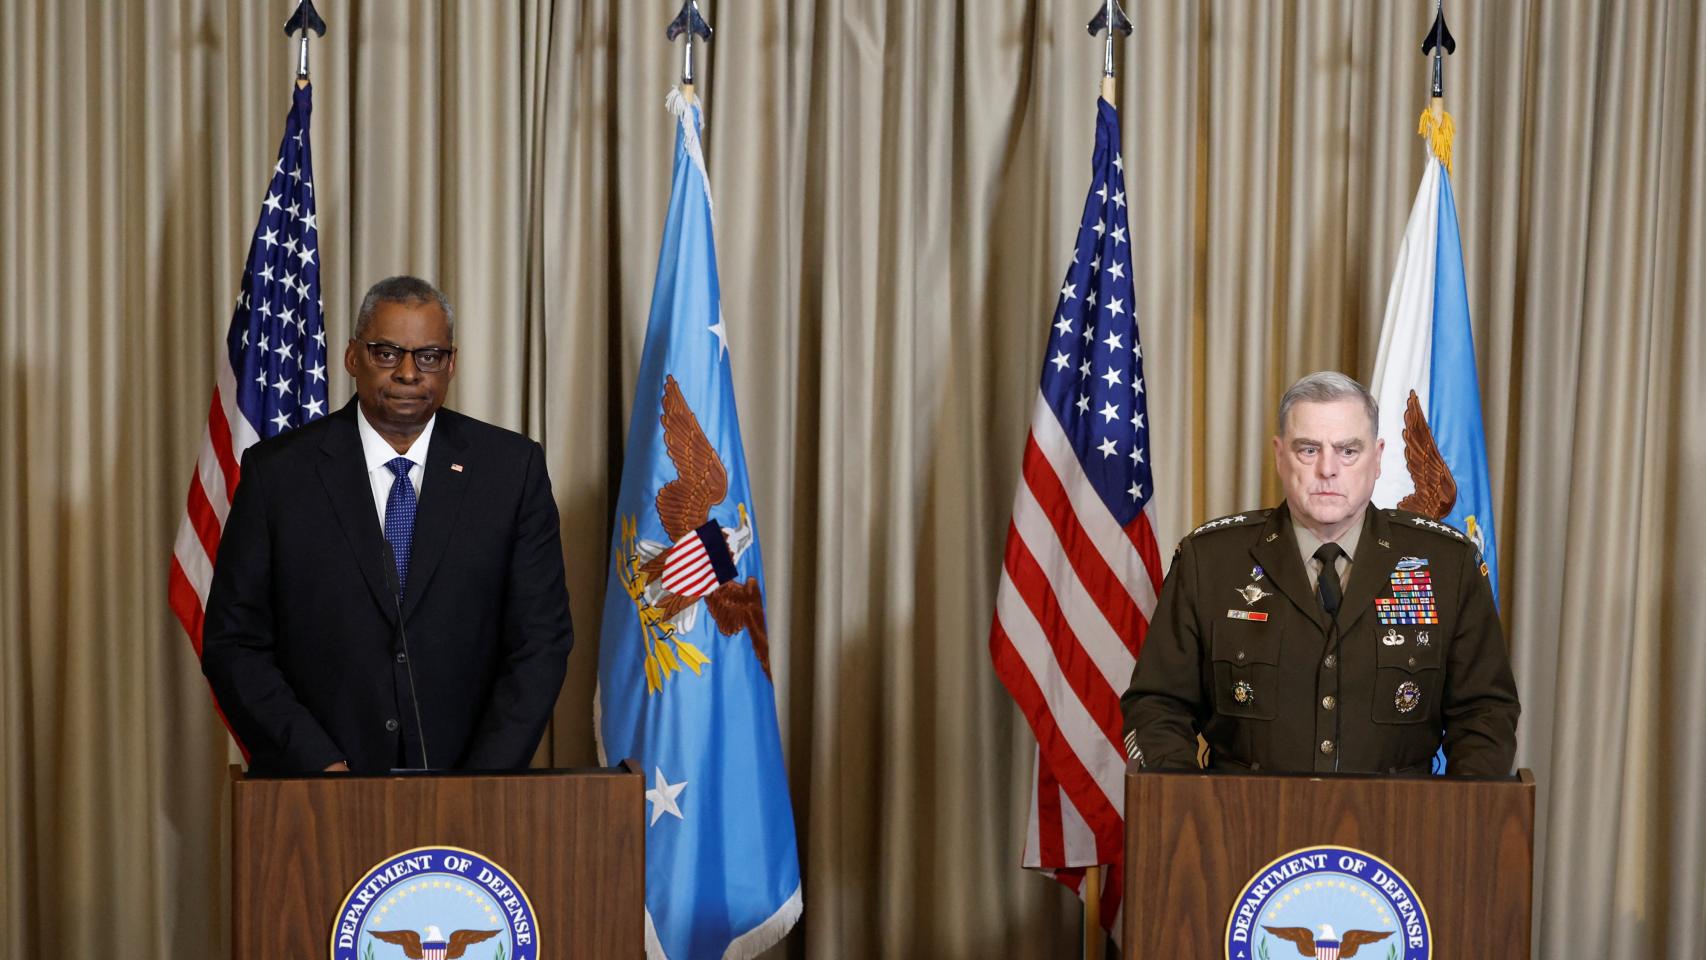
column 456, row 468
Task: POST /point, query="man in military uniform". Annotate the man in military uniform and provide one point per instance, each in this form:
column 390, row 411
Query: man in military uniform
column 1325, row 634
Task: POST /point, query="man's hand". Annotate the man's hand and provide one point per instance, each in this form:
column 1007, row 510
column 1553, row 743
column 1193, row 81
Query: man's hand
column 339, row 767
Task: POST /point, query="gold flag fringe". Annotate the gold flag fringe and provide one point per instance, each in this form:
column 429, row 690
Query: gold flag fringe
column 1438, row 127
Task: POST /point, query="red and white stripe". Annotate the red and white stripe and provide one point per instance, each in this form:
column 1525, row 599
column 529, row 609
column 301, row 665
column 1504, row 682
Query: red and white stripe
column 1076, row 596
column 687, row 571
column 212, row 486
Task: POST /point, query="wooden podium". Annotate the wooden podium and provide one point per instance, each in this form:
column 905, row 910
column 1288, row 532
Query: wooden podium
column 1199, row 844
column 573, row 841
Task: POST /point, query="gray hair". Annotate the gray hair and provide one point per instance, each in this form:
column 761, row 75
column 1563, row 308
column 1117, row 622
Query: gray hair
column 402, row 289
column 1326, row 387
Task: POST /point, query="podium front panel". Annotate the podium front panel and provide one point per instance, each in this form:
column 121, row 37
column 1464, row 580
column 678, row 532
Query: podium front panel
column 1199, row 844
column 572, row 842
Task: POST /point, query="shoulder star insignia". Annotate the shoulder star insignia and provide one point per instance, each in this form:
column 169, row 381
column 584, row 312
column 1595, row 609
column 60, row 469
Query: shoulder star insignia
column 1227, row 522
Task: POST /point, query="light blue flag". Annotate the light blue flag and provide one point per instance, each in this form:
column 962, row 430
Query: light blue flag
column 683, row 669
column 1425, row 371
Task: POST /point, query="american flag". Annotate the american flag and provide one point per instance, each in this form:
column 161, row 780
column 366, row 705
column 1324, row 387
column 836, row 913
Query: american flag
column 271, row 376
column 1082, row 570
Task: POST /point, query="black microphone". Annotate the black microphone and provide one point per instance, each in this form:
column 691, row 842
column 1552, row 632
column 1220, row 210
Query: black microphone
column 403, row 640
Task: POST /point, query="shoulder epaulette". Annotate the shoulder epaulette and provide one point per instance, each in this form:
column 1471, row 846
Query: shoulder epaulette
column 1245, row 519
column 1419, row 522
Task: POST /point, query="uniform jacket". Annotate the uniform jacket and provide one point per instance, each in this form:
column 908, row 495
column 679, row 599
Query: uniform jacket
column 1271, row 684
column 300, row 642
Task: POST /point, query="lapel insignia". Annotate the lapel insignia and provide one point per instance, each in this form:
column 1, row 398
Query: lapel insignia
column 1407, row 698
column 1253, row 615
column 1252, row 593
column 456, row 468
column 1393, row 638
column 1271, row 538
column 1384, row 544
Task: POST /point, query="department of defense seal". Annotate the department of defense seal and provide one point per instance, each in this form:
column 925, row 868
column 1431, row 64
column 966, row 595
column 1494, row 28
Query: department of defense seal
column 436, row 903
column 1333, row 903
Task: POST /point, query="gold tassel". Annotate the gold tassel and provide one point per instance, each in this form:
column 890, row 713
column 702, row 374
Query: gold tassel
column 1438, row 127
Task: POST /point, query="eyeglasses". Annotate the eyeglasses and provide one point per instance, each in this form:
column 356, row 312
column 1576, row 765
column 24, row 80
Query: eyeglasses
column 389, row 356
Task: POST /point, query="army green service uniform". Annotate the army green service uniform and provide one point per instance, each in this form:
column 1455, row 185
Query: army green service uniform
column 1241, row 651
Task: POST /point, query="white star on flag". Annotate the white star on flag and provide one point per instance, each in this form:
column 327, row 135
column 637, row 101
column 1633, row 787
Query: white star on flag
column 662, row 797
column 722, row 336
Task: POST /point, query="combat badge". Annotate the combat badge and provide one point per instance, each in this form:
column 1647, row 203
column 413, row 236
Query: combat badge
column 1409, row 696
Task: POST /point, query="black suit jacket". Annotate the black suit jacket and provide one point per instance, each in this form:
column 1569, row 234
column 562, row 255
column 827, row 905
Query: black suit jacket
column 301, row 644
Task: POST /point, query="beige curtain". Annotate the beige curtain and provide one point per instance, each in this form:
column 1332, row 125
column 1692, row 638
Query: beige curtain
column 896, row 187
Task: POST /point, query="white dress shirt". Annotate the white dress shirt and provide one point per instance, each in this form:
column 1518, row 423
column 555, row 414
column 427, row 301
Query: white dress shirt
column 377, row 451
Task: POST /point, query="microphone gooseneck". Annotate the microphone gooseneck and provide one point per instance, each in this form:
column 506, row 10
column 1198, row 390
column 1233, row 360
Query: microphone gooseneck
column 403, row 642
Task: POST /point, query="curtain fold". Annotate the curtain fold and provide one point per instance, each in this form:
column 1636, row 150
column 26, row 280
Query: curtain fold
column 895, row 187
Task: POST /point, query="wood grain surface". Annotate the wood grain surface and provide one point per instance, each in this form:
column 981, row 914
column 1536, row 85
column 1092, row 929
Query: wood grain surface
column 1194, row 841
column 574, row 841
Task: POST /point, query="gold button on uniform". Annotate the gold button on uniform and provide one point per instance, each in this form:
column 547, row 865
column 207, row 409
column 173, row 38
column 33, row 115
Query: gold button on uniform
column 1326, row 746
column 1329, row 702
column 1330, row 662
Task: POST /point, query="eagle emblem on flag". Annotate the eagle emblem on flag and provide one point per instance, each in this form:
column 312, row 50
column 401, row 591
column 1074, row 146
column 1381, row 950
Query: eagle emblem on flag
column 1436, row 490
column 1326, row 946
column 699, row 566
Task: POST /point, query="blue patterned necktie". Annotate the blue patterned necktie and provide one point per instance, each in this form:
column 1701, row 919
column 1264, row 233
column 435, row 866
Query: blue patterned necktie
column 400, row 519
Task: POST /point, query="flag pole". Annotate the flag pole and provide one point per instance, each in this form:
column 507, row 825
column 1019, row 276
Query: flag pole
column 690, row 22
column 1110, row 17
column 1436, row 124
column 305, row 18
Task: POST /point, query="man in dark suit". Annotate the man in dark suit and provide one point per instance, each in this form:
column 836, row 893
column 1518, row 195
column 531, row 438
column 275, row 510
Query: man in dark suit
column 1325, row 634
column 389, row 504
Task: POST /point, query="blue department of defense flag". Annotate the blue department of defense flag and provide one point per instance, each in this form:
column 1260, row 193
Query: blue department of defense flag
column 1428, row 349
column 683, row 672
column 1435, row 461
